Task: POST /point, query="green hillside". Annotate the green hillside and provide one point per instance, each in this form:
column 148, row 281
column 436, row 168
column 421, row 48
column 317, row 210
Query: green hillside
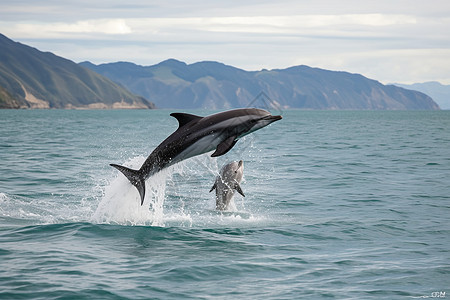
column 35, row 79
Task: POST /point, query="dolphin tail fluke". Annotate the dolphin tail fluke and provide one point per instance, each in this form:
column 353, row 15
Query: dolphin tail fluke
column 134, row 176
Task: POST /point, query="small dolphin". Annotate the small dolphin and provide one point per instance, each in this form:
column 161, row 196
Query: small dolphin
column 227, row 183
column 197, row 135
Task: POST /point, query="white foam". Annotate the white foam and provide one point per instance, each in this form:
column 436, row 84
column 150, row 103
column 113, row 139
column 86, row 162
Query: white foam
column 3, row 197
column 121, row 203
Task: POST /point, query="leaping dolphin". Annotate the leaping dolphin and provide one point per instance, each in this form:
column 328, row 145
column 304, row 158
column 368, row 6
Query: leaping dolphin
column 197, row 135
column 227, row 183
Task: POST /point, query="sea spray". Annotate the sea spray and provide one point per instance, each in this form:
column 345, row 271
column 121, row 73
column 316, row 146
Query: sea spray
column 120, row 202
column 176, row 196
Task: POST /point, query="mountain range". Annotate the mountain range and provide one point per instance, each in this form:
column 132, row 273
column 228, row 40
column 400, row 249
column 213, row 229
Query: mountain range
column 439, row 92
column 30, row 78
column 213, row 85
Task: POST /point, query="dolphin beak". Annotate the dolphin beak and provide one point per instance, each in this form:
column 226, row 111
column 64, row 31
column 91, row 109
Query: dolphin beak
column 240, row 163
column 272, row 118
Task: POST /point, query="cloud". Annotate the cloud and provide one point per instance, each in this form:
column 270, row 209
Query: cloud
column 252, row 24
column 108, row 26
column 60, row 29
column 383, row 40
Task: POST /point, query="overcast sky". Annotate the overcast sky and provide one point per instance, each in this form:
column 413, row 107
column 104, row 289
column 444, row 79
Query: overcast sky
column 386, row 40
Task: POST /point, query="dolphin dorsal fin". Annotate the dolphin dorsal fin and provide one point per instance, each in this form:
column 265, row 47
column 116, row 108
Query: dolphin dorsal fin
column 183, row 118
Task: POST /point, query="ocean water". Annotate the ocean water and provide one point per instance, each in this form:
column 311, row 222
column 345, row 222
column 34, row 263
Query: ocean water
column 339, row 205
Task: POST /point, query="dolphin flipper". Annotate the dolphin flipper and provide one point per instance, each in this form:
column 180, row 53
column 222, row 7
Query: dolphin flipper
column 134, row 176
column 213, row 187
column 225, row 146
column 238, row 188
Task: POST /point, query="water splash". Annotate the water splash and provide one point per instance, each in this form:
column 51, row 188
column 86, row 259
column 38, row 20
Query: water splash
column 121, row 203
column 176, row 196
